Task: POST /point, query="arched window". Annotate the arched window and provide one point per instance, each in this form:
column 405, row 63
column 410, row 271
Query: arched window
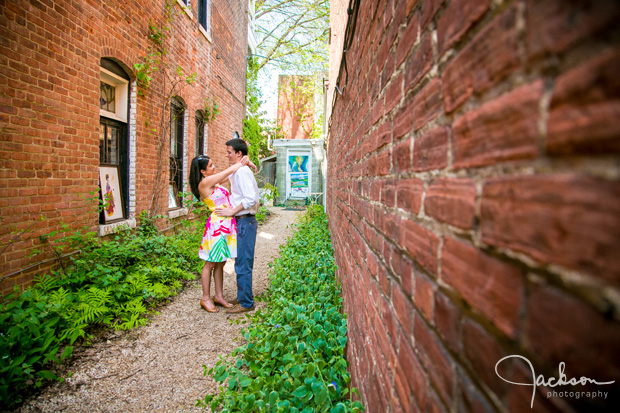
column 113, row 142
column 177, row 133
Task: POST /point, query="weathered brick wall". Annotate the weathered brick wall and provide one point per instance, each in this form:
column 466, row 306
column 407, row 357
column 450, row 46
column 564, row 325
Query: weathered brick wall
column 49, row 108
column 474, row 202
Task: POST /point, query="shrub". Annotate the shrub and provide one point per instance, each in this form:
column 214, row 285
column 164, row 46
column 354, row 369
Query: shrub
column 294, row 357
column 111, row 283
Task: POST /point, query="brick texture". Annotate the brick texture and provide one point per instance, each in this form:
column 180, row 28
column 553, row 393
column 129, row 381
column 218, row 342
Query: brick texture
column 585, row 107
column 478, row 211
column 50, row 57
column 505, row 129
column 565, row 219
column 295, row 109
column 452, row 201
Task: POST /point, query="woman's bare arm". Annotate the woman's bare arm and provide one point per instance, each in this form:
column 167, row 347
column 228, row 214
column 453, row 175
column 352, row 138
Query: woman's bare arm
column 244, row 161
column 207, row 184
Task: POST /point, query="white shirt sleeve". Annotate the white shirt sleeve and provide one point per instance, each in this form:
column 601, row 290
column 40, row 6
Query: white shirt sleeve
column 246, row 187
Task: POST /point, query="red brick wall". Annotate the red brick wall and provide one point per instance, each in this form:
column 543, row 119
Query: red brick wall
column 295, row 107
column 474, row 202
column 49, row 112
column 229, row 57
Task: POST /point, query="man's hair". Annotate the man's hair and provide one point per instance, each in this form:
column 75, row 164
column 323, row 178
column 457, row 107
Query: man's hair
column 238, row 145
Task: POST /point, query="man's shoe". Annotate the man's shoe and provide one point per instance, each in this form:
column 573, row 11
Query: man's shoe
column 239, row 309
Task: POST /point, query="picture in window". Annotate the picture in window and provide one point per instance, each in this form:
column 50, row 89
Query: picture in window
column 111, row 193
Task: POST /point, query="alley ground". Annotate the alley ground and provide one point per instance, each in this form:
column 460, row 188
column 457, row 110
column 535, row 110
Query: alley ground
column 158, row 368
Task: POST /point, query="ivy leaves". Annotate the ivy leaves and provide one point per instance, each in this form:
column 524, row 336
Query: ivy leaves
column 293, row 360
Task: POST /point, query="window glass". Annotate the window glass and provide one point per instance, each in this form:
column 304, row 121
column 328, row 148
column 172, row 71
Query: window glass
column 200, row 133
column 109, row 137
column 176, row 147
column 114, row 135
column 202, row 13
column 107, row 97
column 102, row 154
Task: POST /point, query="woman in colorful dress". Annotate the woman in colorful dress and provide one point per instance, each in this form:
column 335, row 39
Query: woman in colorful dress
column 109, row 196
column 219, row 242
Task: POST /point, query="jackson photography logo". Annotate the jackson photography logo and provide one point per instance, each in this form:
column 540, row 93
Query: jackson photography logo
column 559, row 381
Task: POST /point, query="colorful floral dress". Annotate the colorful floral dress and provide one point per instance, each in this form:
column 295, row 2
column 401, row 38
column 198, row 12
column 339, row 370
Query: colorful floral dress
column 219, row 241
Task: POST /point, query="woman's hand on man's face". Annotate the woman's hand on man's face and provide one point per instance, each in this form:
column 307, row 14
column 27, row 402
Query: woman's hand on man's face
column 246, row 161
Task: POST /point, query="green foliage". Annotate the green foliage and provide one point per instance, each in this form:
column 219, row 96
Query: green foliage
column 257, row 141
column 155, row 59
column 146, row 223
column 271, row 192
column 253, row 93
column 262, row 214
column 294, row 358
column 292, row 39
column 157, row 34
column 114, row 283
column 317, row 130
column 211, row 109
column 145, row 69
column 293, row 34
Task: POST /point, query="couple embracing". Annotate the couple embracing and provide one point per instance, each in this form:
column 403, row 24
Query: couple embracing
column 230, row 231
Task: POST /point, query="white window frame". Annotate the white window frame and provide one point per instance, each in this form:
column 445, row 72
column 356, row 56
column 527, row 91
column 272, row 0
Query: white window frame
column 130, row 221
column 206, row 31
column 120, row 98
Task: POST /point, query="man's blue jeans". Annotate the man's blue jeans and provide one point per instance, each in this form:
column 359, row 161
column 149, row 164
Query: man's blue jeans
column 246, row 240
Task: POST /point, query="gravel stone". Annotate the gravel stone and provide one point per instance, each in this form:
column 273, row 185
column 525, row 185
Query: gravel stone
column 159, row 367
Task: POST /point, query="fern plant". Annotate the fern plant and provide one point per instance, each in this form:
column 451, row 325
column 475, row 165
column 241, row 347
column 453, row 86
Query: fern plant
column 112, row 283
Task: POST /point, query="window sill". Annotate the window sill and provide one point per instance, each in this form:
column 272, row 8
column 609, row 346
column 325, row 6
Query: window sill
column 175, row 213
column 186, row 9
column 107, row 229
column 205, row 33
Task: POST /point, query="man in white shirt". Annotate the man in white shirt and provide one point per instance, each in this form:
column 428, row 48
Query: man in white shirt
column 244, row 199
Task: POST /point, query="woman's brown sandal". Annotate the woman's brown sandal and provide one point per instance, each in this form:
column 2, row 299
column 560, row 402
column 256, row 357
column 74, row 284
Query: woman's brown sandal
column 204, row 307
column 218, row 302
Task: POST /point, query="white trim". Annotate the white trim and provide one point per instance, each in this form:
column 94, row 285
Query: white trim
column 205, row 138
column 187, row 8
column 206, row 33
column 107, row 229
column 306, row 143
column 179, row 212
column 186, row 152
column 131, row 138
column 121, row 85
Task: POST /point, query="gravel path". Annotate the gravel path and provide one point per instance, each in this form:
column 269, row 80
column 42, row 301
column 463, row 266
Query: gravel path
column 158, row 368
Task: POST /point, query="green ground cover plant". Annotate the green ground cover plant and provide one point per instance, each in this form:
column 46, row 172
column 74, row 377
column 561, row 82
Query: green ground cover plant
column 114, row 283
column 293, row 359
column 262, row 215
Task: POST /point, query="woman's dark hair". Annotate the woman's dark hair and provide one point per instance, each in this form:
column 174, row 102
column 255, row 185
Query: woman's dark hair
column 199, row 163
